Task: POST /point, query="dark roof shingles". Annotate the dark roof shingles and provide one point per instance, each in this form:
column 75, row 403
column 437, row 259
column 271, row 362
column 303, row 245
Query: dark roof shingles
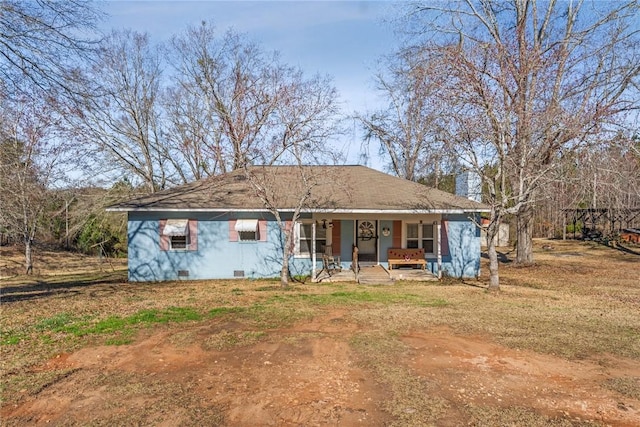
column 332, row 187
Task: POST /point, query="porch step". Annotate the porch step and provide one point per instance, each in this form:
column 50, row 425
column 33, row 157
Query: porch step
column 374, row 275
column 375, row 282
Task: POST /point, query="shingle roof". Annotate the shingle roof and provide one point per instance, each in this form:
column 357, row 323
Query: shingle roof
column 332, row 188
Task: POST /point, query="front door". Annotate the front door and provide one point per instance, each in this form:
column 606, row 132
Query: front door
column 367, row 236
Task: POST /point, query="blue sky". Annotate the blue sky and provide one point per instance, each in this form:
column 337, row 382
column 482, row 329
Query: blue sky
column 342, row 39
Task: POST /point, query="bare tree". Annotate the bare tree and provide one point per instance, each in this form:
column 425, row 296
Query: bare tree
column 538, row 78
column 467, row 134
column 248, row 96
column 408, row 128
column 284, row 206
column 193, row 140
column 42, row 42
column 259, row 111
column 304, row 122
column 31, row 150
column 123, row 119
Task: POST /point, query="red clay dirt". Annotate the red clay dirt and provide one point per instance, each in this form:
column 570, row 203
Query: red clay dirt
column 308, row 375
column 472, row 370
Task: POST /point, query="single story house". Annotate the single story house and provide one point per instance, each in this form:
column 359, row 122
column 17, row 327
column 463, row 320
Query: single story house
column 219, row 227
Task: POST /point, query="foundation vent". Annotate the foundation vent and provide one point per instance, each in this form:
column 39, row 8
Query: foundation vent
column 238, row 273
column 183, row 273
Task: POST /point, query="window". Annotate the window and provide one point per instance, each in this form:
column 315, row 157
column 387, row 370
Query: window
column 304, row 239
column 247, row 230
column 420, row 236
column 178, row 234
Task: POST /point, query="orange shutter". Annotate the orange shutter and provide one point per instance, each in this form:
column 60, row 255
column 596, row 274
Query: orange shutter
column 396, row 239
column 335, row 237
column 444, row 244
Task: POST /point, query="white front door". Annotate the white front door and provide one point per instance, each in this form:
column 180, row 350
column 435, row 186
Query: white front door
column 367, row 238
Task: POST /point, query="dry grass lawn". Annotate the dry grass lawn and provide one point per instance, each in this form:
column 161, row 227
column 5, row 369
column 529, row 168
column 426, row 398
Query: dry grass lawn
column 558, row 345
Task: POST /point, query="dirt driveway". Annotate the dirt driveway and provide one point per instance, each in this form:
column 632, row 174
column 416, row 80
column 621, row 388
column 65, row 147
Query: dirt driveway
column 308, row 375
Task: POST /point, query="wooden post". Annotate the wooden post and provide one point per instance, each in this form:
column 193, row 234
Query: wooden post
column 354, row 261
column 313, row 249
column 439, row 228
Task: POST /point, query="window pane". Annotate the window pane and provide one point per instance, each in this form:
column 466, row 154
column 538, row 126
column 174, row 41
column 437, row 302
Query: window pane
column 412, row 244
column 412, row 231
column 427, row 231
column 178, row 242
column 428, row 246
column 305, row 246
column 305, row 231
column 247, row 235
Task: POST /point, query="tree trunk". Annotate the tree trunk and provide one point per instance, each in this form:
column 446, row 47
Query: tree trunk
column 28, row 256
column 494, row 278
column 284, row 272
column 524, row 235
column 284, row 277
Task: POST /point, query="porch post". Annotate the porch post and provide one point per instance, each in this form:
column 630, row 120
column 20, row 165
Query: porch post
column 313, row 249
column 439, row 228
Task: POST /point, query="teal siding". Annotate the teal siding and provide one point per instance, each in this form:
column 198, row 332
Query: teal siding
column 386, row 242
column 219, row 258
column 461, row 257
column 216, row 257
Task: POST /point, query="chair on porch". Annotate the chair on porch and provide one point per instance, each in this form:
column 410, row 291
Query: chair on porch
column 330, row 262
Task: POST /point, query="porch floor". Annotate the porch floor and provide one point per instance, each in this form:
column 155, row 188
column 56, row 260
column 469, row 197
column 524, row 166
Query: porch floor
column 377, row 274
column 408, row 273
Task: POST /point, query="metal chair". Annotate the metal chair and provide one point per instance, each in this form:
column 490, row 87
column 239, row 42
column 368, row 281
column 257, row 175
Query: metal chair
column 330, row 262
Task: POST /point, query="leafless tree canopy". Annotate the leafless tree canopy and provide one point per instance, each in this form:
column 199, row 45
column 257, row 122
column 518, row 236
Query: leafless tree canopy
column 526, row 83
column 42, row 44
column 30, row 153
column 43, row 41
column 409, row 128
column 159, row 115
column 204, row 104
column 123, row 118
column 258, row 110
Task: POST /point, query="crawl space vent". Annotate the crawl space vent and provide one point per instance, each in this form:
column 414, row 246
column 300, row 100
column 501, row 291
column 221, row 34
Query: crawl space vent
column 183, row 273
column 238, row 273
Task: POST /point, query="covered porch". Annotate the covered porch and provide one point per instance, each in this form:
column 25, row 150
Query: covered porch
column 334, row 243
